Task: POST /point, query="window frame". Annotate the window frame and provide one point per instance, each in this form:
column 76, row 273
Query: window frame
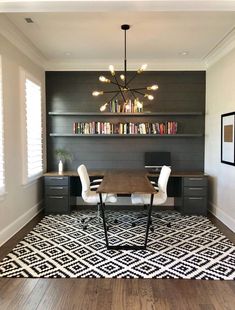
column 24, row 75
column 2, row 132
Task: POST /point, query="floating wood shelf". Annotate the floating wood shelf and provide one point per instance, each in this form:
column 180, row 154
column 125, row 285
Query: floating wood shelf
column 124, row 114
column 124, row 135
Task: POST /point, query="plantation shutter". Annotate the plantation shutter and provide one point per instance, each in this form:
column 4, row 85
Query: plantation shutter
column 2, row 162
column 33, row 129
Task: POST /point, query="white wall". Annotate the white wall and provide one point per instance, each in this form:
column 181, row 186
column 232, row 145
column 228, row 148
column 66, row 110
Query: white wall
column 220, row 99
column 20, row 203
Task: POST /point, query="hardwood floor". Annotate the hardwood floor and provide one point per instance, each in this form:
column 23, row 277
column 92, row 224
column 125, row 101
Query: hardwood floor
column 115, row 294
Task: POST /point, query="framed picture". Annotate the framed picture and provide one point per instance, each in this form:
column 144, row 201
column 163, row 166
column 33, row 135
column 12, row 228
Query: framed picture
column 227, row 138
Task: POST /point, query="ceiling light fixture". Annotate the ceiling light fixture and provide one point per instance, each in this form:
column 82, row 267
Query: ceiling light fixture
column 184, row 53
column 124, row 90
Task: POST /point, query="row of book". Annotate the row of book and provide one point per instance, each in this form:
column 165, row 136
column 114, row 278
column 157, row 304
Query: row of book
column 124, row 128
column 130, row 106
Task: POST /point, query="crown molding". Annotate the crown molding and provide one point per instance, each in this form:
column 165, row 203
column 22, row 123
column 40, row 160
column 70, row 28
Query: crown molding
column 114, row 5
column 17, row 38
column 221, row 49
column 103, row 65
column 13, row 35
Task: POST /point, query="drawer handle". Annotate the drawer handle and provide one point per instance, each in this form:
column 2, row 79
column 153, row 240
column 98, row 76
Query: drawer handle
column 195, row 179
column 57, row 197
column 57, row 187
column 56, row 178
column 196, row 198
column 195, row 188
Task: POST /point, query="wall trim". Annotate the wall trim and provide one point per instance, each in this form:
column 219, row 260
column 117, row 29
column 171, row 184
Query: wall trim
column 222, row 216
column 9, row 231
column 221, row 49
column 103, row 65
column 113, row 5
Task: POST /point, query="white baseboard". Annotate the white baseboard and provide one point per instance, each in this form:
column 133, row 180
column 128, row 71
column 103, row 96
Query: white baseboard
column 222, row 216
column 19, row 223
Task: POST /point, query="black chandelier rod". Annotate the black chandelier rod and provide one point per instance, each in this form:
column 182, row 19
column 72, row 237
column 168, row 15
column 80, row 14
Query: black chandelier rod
column 125, row 27
column 125, row 61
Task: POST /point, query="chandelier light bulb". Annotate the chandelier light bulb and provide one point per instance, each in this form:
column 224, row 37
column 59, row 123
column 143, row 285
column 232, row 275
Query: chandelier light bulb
column 111, row 68
column 104, row 79
column 97, row 93
column 150, row 97
column 122, row 77
column 103, row 107
column 142, row 68
column 153, row 87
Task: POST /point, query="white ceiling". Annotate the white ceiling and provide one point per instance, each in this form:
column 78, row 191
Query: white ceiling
column 94, row 39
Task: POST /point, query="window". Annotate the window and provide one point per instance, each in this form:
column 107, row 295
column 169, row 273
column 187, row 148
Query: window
column 2, row 163
column 33, row 123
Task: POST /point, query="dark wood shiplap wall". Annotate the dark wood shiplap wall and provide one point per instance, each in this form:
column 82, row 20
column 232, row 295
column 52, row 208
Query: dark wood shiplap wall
column 179, row 91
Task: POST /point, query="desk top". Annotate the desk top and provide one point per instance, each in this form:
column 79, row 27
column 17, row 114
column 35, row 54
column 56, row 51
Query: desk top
column 104, row 172
column 126, row 182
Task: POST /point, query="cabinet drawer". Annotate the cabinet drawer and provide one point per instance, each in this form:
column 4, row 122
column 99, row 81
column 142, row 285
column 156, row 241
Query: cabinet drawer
column 195, row 181
column 56, row 190
column 195, row 205
column 56, row 181
column 56, row 204
column 195, row 191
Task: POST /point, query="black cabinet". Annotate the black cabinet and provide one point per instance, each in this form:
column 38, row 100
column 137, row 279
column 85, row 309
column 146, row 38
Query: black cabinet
column 194, row 195
column 57, row 194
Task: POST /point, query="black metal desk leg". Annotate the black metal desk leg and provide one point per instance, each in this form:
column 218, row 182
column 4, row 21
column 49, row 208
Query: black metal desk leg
column 104, row 220
column 149, row 220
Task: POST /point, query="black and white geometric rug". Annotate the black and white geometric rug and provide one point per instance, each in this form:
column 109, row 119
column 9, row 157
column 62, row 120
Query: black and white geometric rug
column 192, row 248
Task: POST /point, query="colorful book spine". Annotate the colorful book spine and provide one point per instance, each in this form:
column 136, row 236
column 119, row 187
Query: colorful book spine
column 107, row 128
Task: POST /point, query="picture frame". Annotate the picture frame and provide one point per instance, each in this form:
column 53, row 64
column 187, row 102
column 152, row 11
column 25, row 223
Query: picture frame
column 227, row 138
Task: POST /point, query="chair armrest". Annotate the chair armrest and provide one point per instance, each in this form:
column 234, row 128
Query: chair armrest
column 94, row 187
column 96, row 181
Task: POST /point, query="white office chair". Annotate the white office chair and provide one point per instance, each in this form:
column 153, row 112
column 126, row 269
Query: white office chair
column 90, row 196
column 161, row 195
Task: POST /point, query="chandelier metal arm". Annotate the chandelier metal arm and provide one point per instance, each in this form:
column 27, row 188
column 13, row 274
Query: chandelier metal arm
column 132, row 78
column 120, row 89
column 134, row 89
column 138, row 92
column 116, row 83
column 111, row 91
column 133, row 94
column 114, row 96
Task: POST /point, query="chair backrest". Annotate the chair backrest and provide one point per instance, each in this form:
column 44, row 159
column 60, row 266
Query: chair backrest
column 84, row 177
column 163, row 179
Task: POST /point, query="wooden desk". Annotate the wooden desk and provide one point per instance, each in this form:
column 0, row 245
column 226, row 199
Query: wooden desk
column 124, row 182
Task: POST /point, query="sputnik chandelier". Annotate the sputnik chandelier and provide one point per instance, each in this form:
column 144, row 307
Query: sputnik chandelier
column 123, row 88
